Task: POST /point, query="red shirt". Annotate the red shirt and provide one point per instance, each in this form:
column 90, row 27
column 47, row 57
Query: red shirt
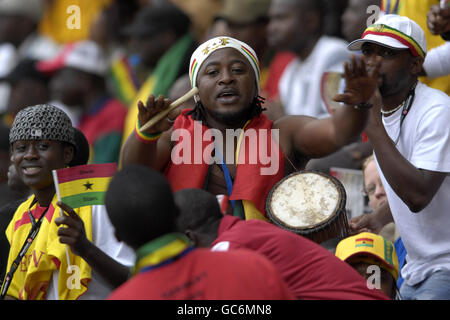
column 310, row 271
column 250, row 183
column 276, row 69
column 205, row 275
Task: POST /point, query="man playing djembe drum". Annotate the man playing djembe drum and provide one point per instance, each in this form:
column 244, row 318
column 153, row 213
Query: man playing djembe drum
column 226, row 73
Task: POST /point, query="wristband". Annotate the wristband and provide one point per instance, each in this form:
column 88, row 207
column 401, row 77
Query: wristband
column 145, row 137
column 363, row 106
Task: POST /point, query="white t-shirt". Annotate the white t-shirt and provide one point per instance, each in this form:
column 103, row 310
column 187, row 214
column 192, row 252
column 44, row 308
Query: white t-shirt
column 103, row 237
column 425, row 142
column 299, row 85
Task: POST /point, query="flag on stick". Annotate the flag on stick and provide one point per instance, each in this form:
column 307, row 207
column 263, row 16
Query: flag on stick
column 84, row 185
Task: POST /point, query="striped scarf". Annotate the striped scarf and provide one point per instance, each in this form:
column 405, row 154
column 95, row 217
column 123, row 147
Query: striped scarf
column 249, row 185
column 161, row 251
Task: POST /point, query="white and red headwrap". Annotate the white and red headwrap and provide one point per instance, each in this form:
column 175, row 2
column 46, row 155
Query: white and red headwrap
column 204, row 51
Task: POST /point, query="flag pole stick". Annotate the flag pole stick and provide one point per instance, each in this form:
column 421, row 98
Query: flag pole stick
column 58, row 195
column 159, row 116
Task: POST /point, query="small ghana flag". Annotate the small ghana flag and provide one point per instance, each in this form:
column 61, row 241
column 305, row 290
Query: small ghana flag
column 84, row 185
column 363, row 242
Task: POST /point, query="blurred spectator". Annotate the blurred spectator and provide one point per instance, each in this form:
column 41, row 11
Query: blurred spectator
column 4, row 153
column 152, row 32
column 18, row 26
column 355, row 18
column 80, row 82
column 218, row 28
column 164, row 44
column 12, row 194
column 438, row 19
column 270, row 91
column 11, row 189
column 298, row 26
column 9, row 201
column 201, row 13
column 373, row 187
column 437, row 61
column 365, row 251
column 20, row 39
column 128, row 71
column 7, row 62
column 247, row 20
column 28, row 87
column 106, row 29
column 374, row 190
column 332, row 22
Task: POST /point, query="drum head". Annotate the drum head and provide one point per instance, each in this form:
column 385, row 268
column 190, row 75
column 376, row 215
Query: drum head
column 304, row 201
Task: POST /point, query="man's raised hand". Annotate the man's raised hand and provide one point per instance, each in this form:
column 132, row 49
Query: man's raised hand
column 360, row 81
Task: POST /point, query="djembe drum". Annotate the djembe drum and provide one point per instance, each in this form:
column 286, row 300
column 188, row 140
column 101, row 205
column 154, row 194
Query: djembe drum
column 311, row 204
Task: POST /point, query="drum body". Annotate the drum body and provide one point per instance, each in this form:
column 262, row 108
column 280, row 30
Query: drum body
column 311, row 204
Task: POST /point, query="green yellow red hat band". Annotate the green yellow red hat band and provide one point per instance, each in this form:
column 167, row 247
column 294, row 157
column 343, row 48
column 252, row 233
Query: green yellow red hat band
column 384, row 30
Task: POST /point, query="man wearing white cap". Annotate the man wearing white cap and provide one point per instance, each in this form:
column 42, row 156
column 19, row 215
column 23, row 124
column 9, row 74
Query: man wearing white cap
column 410, row 133
column 226, row 73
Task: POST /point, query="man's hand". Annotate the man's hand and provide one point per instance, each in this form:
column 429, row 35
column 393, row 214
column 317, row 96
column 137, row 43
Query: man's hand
column 365, row 223
column 438, row 20
column 74, row 234
column 371, row 222
column 360, row 84
column 152, row 108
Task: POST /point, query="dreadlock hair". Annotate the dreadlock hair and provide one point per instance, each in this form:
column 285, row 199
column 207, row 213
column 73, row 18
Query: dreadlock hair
column 199, row 112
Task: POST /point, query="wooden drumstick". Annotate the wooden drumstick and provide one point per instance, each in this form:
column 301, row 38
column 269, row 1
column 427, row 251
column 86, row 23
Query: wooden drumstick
column 158, row 117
